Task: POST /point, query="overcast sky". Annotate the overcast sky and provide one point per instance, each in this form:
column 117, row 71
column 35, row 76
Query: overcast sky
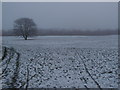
column 78, row 15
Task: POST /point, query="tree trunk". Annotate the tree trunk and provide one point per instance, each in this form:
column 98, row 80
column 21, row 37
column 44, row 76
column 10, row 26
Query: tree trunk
column 25, row 37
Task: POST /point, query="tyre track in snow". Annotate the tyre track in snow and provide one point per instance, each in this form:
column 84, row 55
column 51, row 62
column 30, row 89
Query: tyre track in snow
column 81, row 58
column 8, row 55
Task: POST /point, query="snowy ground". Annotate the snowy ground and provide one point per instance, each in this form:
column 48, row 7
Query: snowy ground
column 60, row 61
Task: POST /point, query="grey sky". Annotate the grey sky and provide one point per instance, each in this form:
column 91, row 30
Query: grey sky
column 89, row 15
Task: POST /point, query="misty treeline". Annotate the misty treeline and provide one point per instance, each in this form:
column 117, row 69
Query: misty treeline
column 26, row 27
column 61, row 32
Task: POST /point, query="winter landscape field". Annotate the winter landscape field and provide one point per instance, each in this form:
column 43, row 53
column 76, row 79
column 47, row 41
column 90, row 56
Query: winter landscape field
column 60, row 62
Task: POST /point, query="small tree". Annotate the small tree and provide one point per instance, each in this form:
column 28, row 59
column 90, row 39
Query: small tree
column 25, row 27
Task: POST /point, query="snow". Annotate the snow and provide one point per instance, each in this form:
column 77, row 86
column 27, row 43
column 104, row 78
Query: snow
column 59, row 61
column 66, row 41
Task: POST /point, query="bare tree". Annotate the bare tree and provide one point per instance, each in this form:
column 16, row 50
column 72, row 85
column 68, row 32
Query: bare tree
column 25, row 27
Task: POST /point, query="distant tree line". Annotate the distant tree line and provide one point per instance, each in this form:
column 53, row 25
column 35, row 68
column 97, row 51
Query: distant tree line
column 26, row 27
column 65, row 32
column 76, row 32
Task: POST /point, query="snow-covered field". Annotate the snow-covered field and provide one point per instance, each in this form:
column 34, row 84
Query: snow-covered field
column 60, row 61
